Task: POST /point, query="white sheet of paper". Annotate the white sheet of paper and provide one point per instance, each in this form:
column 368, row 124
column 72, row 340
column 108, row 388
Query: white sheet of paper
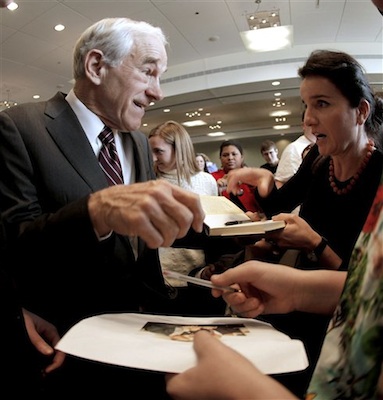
column 119, row 339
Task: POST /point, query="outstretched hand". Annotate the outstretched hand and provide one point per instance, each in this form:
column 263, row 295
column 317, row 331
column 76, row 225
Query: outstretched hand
column 257, row 177
column 265, row 288
column 222, row 373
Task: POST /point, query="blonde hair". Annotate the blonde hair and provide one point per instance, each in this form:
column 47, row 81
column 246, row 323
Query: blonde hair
column 178, row 137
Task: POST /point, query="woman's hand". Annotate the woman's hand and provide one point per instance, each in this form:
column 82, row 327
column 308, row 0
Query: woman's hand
column 261, row 178
column 222, row 373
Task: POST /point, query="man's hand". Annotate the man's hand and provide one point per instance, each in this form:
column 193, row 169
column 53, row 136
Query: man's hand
column 156, row 211
column 44, row 337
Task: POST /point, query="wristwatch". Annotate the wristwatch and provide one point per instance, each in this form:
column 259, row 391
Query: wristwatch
column 315, row 254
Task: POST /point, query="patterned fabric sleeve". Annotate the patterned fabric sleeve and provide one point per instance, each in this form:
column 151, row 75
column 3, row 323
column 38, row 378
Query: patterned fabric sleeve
column 350, row 362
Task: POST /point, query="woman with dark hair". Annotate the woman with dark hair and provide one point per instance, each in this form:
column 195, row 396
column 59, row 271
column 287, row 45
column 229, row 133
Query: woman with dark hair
column 340, row 187
column 232, row 158
column 335, row 184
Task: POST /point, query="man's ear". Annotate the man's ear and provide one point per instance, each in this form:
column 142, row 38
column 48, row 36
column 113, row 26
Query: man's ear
column 94, row 65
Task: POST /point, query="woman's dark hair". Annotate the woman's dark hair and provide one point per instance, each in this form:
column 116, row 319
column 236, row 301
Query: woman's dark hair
column 344, row 72
column 230, row 143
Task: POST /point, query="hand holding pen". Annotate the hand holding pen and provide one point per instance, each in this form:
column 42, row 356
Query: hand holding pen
column 197, row 281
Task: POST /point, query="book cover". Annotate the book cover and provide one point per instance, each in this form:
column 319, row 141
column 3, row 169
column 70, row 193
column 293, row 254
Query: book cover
column 224, row 218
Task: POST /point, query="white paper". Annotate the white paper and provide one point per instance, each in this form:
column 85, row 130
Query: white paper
column 119, row 339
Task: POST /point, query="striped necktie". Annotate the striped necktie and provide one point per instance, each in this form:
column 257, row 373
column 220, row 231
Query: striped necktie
column 108, row 158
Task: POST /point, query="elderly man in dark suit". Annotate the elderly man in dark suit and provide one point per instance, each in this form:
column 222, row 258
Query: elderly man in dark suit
column 83, row 247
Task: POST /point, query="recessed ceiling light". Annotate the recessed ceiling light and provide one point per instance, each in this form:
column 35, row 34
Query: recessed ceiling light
column 59, row 27
column 277, row 94
column 197, row 122
column 278, row 127
column 166, row 110
column 13, row 6
column 276, row 83
column 280, row 113
column 216, row 134
column 36, row 96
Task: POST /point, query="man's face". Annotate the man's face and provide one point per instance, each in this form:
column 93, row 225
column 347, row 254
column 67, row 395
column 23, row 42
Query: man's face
column 127, row 90
column 271, row 155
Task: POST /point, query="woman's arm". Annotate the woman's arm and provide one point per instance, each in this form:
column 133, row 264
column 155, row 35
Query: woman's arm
column 273, row 288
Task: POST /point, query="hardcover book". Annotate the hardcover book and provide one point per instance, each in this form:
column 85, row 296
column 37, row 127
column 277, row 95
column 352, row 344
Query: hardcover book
column 224, row 218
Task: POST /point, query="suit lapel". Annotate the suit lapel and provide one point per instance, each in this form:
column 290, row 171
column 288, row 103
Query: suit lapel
column 143, row 158
column 64, row 127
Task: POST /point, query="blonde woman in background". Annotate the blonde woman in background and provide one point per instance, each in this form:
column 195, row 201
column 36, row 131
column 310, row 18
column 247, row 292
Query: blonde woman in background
column 175, row 160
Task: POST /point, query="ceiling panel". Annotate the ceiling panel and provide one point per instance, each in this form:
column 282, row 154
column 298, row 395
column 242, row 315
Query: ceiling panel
column 203, row 35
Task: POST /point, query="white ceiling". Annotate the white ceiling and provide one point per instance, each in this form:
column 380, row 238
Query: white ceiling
column 208, row 64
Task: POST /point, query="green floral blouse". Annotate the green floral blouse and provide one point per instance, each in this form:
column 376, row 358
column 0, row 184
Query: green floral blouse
column 350, row 362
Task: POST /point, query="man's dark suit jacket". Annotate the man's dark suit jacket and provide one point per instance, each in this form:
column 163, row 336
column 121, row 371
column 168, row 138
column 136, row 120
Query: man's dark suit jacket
column 47, row 172
column 19, row 360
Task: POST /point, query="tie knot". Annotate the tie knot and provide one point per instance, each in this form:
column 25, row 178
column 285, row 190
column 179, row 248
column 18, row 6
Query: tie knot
column 106, row 136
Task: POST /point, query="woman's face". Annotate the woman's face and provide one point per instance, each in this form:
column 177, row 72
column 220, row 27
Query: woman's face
column 231, row 158
column 200, row 162
column 163, row 154
column 336, row 125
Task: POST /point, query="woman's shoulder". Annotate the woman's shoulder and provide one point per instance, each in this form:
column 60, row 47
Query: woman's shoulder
column 204, row 183
column 204, row 176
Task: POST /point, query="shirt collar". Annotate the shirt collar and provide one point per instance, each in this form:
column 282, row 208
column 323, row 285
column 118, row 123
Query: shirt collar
column 89, row 121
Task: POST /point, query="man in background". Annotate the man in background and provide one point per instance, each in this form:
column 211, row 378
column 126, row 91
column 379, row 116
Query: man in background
column 269, row 152
column 293, row 155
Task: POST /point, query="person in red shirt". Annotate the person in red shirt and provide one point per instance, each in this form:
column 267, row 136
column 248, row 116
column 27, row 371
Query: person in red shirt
column 231, row 156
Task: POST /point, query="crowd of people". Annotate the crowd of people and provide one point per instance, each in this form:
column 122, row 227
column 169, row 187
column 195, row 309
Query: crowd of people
column 73, row 245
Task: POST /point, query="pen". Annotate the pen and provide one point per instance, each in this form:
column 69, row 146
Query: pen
column 197, row 281
column 237, row 222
